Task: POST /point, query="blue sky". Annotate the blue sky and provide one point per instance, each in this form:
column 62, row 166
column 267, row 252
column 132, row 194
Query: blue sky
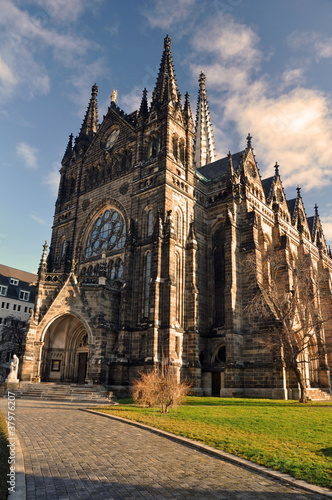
column 269, row 71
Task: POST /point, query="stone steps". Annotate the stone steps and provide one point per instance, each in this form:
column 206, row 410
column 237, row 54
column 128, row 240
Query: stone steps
column 61, row 392
column 315, row 394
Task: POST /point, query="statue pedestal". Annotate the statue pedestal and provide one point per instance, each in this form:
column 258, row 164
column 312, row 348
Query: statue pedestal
column 12, row 385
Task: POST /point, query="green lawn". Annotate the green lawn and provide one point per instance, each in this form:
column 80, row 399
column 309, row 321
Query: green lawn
column 4, row 467
column 283, row 435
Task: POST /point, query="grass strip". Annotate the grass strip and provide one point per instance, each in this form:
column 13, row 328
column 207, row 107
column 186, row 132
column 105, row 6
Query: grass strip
column 283, row 435
column 4, row 467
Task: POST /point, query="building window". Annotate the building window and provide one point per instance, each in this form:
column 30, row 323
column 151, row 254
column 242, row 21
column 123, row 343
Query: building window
column 178, row 287
column 120, row 269
column 108, row 233
column 0, row 321
column 24, row 295
column 18, row 308
column 2, row 305
column 7, row 305
column 112, row 271
column 147, row 284
column 175, row 147
column 177, row 345
column 63, row 251
column 13, row 281
column 3, row 290
column 178, row 225
column 150, row 214
column 25, row 309
column 14, row 307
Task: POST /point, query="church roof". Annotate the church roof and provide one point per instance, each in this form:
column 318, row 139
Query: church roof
column 219, row 167
column 267, row 185
column 311, row 224
column 292, row 206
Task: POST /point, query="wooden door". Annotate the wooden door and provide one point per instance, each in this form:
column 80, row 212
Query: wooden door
column 82, row 361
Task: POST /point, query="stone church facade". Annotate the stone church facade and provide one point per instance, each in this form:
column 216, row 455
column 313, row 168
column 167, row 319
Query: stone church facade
column 145, row 260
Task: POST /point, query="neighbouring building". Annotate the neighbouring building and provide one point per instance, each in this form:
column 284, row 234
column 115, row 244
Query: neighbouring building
column 17, row 297
column 145, row 260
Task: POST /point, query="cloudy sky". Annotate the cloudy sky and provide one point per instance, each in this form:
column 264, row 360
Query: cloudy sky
column 269, row 72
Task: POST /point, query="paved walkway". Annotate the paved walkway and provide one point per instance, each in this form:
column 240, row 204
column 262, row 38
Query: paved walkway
column 72, row 454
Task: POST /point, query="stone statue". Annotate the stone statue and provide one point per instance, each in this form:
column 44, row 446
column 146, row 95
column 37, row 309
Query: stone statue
column 12, row 377
column 114, row 96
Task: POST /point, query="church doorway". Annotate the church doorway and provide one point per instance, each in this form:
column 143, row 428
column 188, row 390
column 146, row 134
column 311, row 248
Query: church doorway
column 82, row 366
column 65, row 353
column 216, row 383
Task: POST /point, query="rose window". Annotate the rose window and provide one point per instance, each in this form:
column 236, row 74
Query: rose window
column 108, row 233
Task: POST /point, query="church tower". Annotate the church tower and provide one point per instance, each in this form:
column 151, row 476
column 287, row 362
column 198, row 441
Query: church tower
column 115, row 295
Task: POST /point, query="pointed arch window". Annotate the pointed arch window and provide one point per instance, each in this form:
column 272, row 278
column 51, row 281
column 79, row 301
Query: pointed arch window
column 147, row 277
column 149, row 222
column 178, row 287
column 178, row 225
column 175, row 146
column 182, row 150
column 108, row 233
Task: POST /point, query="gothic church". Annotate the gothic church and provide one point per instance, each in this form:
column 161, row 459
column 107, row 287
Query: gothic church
column 145, row 259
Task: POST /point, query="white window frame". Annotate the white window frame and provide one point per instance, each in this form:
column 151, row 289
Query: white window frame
column 24, row 295
column 3, row 290
column 14, row 281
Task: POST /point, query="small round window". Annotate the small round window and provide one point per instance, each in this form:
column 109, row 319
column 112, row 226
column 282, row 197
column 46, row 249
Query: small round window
column 108, row 233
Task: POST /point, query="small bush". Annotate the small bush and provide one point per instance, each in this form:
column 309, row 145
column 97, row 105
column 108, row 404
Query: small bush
column 159, row 387
column 4, row 467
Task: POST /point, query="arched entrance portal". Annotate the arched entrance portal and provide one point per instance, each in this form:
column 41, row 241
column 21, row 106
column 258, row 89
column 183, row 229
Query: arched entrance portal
column 65, row 353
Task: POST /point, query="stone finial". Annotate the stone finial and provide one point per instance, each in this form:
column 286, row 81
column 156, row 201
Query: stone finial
column 276, row 168
column 316, row 209
column 298, row 189
column 167, row 43
column 249, row 138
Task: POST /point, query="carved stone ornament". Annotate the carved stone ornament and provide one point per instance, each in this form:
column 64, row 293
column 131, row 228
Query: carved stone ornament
column 85, row 204
column 69, row 298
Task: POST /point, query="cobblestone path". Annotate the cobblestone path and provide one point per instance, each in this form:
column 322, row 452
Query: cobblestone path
column 72, row 454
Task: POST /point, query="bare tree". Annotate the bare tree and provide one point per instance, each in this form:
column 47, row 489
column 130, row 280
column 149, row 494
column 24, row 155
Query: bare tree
column 159, row 387
column 14, row 335
column 285, row 296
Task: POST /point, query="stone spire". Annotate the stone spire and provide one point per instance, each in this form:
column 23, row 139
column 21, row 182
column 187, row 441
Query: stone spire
column 166, row 90
column 43, row 261
column 69, row 151
column 204, row 150
column 90, row 122
column 143, row 110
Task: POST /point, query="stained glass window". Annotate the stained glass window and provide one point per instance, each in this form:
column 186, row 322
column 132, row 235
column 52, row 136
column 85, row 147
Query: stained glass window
column 108, row 233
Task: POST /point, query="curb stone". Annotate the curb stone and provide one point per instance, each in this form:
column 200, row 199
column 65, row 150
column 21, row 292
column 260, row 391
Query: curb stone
column 259, row 469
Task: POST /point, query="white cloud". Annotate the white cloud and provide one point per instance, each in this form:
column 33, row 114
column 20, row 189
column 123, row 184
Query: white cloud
column 314, row 42
column 52, row 179
column 28, row 154
column 131, row 101
column 39, row 220
column 26, row 37
column 60, row 10
column 290, row 123
column 165, row 14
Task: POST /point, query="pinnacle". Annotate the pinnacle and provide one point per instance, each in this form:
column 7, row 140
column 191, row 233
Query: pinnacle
column 204, row 149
